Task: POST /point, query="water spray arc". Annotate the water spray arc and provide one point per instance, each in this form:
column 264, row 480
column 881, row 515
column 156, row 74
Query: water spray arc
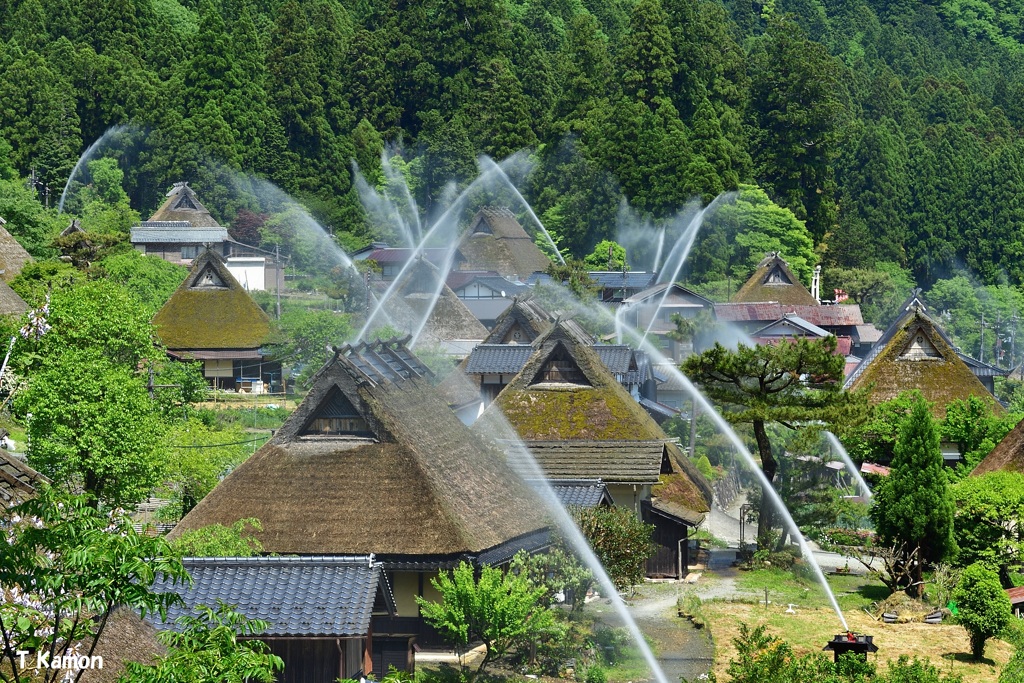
column 837, row 447
column 109, row 133
column 725, row 428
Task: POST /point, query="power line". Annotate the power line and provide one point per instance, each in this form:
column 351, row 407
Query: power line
column 233, row 443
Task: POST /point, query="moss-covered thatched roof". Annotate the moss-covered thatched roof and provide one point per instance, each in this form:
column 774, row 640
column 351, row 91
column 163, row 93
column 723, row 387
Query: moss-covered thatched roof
column 914, row 354
column 210, row 310
column 591, row 407
column 1007, row 455
column 496, row 241
column 183, row 205
column 774, row 281
column 412, row 481
column 601, row 409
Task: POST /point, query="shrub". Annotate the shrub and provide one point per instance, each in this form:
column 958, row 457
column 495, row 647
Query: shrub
column 984, row 608
column 596, row 674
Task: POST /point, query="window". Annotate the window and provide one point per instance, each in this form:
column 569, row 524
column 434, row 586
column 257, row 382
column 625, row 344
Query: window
column 337, row 425
column 189, row 251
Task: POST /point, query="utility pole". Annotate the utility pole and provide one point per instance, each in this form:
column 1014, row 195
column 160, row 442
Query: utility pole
column 981, row 346
column 277, row 277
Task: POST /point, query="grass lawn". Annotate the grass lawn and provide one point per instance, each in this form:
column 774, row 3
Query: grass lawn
column 946, row 646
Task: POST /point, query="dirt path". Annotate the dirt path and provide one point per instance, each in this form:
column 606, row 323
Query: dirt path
column 683, row 651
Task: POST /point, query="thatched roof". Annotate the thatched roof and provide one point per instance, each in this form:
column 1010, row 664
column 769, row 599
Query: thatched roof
column 525, row 320
column 565, row 398
column 448, row 319
column 18, row 481
column 496, row 241
column 10, row 302
column 125, row 638
column 13, row 256
column 211, row 310
column 183, row 205
column 1007, row 455
column 402, row 476
column 914, row 353
column 774, row 281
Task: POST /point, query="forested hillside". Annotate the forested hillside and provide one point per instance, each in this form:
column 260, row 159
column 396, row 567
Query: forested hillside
column 892, row 128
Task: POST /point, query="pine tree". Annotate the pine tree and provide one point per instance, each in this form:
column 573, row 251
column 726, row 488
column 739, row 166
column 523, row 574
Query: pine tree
column 914, row 506
column 648, row 60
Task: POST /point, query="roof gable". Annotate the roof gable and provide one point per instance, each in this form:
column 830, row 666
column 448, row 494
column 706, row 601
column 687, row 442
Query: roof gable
column 183, row 205
column 588, row 404
column 211, row 310
column 774, row 281
column 915, row 354
column 496, row 241
column 791, row 326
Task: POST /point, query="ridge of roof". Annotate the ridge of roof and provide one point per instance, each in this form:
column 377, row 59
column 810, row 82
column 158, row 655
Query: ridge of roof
column 758, row 289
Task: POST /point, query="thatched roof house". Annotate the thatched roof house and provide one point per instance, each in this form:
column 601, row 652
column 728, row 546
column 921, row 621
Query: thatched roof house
column 915, row 353
column 372, row 425
column 1007, row 455
column 125, row 638
column 496, row 241
column 579, row 422
column 182, row 204
column 774, row 281
column 18, row 481
column 449, row 323
column 211, row 318
column 373, row 461
column 13, row 256
column 180, row 229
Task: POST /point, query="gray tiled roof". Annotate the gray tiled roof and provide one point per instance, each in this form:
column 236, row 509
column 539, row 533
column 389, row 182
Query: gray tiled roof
column 616, row 357
column 505, row 359
column 177, row 235
column 658, row 409
column 615, row 278
column 617, row 462
column 297, row 596
column 586, row 493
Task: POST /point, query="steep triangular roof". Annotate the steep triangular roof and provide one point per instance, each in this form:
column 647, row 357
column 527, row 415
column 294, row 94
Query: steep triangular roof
column 448, row 319
column 402, row 477
column 565, row 398
column 774, row 281
column 526, row 320
column 211, row 310
column 183, row 205
column 496, row 241
column 915, row 353
column 13, row 256
column 1007, row 455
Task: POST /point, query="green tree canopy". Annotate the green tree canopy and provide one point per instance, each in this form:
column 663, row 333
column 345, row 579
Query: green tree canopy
column 791, row 383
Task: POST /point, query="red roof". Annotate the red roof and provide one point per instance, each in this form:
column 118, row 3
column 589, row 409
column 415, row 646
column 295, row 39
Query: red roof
column 822, row 316
column 872, row 468
column 843, row 344
column 401, row 255
column 1016, row 595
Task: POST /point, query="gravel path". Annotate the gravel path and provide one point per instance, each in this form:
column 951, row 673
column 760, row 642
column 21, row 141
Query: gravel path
column 683, row 651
